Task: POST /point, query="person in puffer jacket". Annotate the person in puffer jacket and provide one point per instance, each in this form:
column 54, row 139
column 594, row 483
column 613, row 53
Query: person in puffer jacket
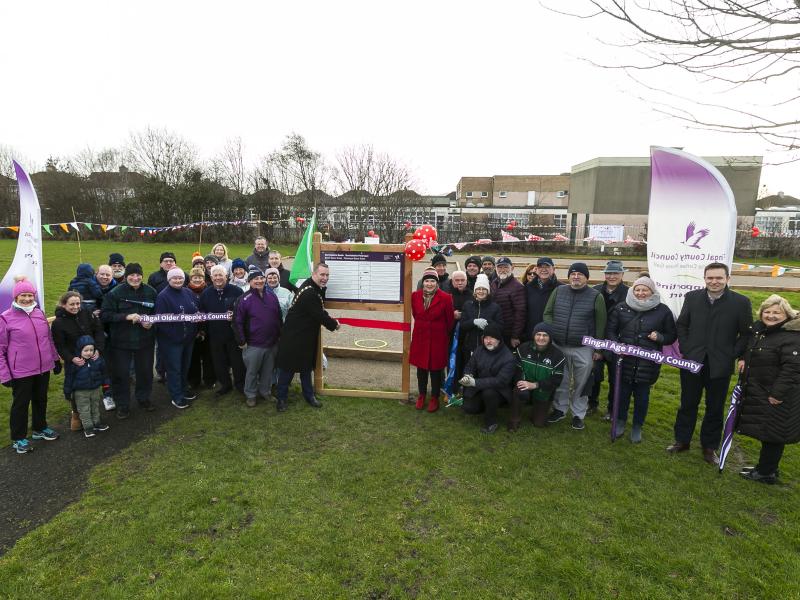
column 540, row 371
column 84, row 384
column 27, row 355
column 86, row 285
column 644, row 321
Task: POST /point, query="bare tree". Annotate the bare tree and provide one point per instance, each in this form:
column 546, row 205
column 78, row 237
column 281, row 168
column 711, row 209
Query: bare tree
column 727, row 45
column 89, row 161
column 375, row 191
column 9, row 154
column 228, row 167
column 161, row 154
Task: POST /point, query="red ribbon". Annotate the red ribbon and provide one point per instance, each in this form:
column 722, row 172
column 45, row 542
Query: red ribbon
column 375, row 324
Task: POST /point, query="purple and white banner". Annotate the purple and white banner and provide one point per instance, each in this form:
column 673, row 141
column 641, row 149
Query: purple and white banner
column 185, row 318
column 692, row 222
column 28, row 256
column 639, row 352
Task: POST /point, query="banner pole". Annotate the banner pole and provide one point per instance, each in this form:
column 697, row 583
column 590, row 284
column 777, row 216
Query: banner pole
column 77, row 233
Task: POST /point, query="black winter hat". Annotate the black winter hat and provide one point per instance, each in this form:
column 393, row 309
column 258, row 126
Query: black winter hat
column 493, row 330
column 475, row 260
column 544, row 328
column 167, row 255
column 116, row 257
column 133, row 269
column 438, row 259
column 578, row 267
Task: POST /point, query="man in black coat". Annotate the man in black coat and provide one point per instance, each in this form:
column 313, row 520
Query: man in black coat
column 297, row 349
column 488, row 376
column 225, row 353
column 713, row 329
column 537, row 293
column 614, row 292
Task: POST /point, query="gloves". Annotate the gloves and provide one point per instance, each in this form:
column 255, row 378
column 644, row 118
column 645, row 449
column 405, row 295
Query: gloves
column 57, row 367
column 482, row 323
column 467, row 380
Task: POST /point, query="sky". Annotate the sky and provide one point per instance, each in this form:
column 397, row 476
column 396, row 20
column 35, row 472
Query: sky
column 451, row 89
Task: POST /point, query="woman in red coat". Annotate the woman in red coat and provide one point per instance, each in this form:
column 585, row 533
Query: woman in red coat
column 433, row 319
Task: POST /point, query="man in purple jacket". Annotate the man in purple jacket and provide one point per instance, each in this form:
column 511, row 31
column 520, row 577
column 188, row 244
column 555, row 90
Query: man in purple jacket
column 257, row 327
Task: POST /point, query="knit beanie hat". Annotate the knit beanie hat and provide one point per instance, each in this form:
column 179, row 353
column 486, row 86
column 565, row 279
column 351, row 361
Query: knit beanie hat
column 23, row 286
column 196, row 272
column 166, row 255
column 238, row 263
column 212, row 258
column 176, row 272
column 133, row 269
column 494, row 330
column 438, row 259
column 197, row 258
column 544, row 328
column 482, row 281
column 578, row 267
column 487, row 259
column 430, row 274
column 475, row 260
column 116, row 258
column 253, row 273
column 645, row 281
column 272, row 271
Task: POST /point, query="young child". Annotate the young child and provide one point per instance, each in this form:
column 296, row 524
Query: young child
column 85, row 382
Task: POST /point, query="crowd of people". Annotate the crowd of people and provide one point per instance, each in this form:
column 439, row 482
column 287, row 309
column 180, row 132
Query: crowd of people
column 521, row 343
column 112, row 331
column 516, row 342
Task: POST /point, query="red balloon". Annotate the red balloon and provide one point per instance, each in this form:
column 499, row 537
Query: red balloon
column 426, row 232
column 755, row 232
column 509, row 227
column 371, row 233
column 415, row 249
column 513, row 223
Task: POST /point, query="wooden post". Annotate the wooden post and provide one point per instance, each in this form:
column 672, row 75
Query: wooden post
column 319, row 384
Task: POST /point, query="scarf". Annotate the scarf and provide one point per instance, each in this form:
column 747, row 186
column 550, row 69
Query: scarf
column 27, row 309
column 197, row 288
column 427, row 298
column 642, row 305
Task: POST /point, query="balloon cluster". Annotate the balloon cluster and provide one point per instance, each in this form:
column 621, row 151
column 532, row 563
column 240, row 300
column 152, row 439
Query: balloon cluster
column 424, row 236
column 371, row 233
column 755, row 232
column 511, row 224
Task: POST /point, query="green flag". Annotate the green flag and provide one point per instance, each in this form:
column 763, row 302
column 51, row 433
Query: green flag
column 89, row 226
column 301, row 267
column 47, row 229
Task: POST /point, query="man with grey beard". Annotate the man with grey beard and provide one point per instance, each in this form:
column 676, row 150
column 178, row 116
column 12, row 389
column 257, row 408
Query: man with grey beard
column 509, row 294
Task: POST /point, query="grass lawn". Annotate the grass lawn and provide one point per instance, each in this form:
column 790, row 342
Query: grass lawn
column 371, row 499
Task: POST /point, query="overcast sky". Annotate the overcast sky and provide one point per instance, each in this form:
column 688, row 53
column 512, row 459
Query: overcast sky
column 450, row 88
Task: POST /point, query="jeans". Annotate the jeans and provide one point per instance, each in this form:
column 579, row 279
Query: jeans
column 24, row 391
column 142, row 359
column 641, row 400
column 692, row 387
column 176, row 358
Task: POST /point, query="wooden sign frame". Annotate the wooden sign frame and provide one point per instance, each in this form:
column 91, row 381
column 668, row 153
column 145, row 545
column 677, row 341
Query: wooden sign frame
column 403, row 306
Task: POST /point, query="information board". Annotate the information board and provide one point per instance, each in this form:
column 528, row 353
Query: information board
column 357, row 276
column 607, row 233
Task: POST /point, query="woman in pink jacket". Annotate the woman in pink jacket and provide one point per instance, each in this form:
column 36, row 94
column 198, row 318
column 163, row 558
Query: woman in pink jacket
column 27, row 354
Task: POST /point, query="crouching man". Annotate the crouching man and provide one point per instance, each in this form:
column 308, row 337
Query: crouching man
column 488, row 376
column 540, row 371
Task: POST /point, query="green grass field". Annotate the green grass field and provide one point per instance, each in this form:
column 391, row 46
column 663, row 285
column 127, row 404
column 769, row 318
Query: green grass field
column 372, row 499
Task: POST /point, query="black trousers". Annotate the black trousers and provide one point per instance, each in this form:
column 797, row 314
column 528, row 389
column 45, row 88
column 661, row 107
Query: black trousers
column 121, row 371
column 771, row 454
column 422, row 382
column 24, row 391
column 486, row 401
column 692, row 388
column 227, row 357
column 201, row 368
column 600, row 366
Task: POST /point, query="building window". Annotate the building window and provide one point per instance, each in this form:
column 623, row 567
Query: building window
column 504, row 194
column 484, row 194
column 469, row 194
column 560, row 220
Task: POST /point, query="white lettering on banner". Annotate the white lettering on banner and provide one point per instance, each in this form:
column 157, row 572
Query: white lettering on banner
column 185, row 318
column 639, row 352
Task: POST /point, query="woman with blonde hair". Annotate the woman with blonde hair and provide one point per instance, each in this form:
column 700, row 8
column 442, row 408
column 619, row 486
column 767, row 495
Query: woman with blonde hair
column 220, row 250
column 770, row 410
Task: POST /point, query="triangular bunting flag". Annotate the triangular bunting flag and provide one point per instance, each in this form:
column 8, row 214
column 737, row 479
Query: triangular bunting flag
column 14, row 228
column 110, row 227
column 75, row 225
column 89, row 226
column 124, row 227
column 47, row 229
column 104, row 227
column 64, row 227
column 778, row 270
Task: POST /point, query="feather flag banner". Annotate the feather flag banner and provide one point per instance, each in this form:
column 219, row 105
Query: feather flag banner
column 695, row 210
column 28, row 256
